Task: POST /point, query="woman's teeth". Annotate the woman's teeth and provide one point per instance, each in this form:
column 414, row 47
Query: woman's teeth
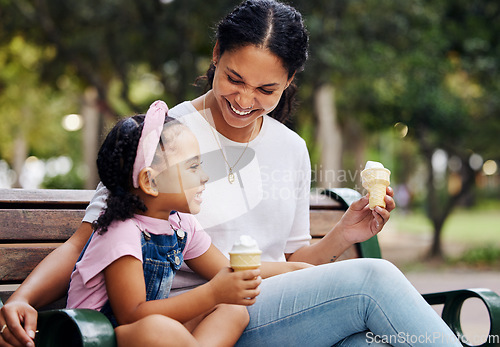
column 239, row 112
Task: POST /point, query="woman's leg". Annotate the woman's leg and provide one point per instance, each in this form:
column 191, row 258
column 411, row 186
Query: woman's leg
column 324, row 305
column 154, row 330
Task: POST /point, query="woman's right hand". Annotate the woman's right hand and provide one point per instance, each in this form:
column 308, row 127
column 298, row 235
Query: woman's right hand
column 236, row 287
column 15, row 315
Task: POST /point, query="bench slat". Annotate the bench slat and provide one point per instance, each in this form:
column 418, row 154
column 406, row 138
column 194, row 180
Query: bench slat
column 52, row 196
column 16, row 263
column 40, row 225
column 322, row 221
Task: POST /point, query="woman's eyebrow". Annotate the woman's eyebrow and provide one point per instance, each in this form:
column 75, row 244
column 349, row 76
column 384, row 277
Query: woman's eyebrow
column 240, row 77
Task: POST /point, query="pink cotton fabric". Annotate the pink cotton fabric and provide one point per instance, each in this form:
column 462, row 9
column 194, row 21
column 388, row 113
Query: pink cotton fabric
column 87, row 287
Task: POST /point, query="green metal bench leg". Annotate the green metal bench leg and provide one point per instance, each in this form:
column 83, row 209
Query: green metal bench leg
column 74, row 327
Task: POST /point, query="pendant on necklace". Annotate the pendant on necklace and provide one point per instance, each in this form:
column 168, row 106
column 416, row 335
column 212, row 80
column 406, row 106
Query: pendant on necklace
column 230, row 177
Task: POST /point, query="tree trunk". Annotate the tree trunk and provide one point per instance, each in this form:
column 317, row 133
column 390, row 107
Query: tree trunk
column 20, row 155
column 91, row 131
column 329, row 138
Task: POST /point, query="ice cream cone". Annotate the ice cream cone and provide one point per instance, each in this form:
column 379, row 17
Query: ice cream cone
column 245, row 254
column 376, row 180
column 244, row 261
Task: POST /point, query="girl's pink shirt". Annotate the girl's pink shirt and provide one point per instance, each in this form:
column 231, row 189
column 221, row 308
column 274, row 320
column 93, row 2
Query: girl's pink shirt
column 87, row 286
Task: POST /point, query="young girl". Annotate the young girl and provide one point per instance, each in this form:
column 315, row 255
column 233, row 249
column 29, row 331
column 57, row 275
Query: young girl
column 154, row 176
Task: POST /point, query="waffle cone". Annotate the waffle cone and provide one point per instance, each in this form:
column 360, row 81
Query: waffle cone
column 244, row 261
column 376, row 181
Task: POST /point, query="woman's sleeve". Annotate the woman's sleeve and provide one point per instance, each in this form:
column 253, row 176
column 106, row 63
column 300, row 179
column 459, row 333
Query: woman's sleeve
column 97, row 204
column 300, row 235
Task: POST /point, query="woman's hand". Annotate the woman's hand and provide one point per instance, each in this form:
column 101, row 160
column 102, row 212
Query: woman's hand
column 240, row 287
column 16, row 315
column 359, row 223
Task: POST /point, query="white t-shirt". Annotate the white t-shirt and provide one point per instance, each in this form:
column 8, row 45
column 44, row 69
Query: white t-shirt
column 269, row 199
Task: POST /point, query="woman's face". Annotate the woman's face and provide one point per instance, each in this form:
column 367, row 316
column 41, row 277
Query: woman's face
column 181, row 179
column 248, row 83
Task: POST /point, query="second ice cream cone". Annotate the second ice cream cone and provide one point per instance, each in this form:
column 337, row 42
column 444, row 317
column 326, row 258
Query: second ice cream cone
column 376, row 180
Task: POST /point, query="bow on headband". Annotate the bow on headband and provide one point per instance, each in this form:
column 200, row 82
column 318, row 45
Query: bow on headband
column 150, row 137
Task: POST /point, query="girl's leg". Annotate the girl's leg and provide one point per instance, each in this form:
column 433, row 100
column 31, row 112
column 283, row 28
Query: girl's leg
column 154, row 330
column 223, row 326
column 324, row 305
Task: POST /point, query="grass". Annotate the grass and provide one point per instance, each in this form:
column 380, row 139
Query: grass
column 474, row 227
column 476, row 231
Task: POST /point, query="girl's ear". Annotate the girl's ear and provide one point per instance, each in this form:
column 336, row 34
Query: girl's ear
column 147, row 182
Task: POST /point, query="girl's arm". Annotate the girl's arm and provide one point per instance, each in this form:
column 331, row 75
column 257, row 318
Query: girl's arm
column 127, row 291
column 212, row 261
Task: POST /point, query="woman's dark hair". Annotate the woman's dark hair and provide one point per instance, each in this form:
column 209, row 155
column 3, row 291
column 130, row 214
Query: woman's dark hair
column 271, row 25
column 115, row 163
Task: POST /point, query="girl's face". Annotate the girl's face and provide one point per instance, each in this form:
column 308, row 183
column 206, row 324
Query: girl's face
column 181, row 179
column 248, row 83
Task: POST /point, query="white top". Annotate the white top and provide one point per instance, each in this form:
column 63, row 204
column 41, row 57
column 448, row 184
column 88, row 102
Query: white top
column 269, row 199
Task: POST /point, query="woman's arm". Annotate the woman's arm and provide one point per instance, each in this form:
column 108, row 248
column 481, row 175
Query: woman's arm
column 127, row 293
column 46, row 283
column 358, row 224
column 269, row 269
column 49, row 280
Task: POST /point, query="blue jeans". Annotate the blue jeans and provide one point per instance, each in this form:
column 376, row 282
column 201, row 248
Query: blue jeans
column 361, row 302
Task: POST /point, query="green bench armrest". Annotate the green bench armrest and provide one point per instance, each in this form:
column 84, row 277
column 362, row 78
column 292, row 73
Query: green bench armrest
column 453, row 301
column 74, row 327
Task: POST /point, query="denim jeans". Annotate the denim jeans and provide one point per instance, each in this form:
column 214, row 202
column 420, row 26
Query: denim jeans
column 360, row 302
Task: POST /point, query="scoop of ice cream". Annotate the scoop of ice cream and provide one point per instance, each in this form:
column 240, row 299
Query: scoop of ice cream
column 245, row 244
column 373, row 165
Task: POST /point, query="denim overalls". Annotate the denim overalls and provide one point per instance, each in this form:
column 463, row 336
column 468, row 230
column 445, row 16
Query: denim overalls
column 162, row 257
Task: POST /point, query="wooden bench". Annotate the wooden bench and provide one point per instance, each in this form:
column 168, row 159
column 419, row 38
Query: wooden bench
column 34, row 222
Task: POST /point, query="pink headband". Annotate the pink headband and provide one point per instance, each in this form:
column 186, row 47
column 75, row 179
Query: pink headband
column 150, row 137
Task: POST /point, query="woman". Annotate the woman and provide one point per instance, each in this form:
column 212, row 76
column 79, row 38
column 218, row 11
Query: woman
column 260, row 174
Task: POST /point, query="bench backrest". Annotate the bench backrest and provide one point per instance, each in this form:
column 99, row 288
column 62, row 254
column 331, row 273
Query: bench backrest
column 35, row 222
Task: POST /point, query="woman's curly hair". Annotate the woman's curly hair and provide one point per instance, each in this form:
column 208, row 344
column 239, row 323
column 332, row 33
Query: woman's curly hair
column 115, row 163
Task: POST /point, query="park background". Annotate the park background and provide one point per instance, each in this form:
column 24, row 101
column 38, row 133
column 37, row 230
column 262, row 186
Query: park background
column 413, row 84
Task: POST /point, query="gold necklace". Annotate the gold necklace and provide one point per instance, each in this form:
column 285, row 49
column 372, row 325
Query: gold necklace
column 230, row 176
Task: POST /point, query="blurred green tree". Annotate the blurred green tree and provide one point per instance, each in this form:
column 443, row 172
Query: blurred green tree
column 427, row 65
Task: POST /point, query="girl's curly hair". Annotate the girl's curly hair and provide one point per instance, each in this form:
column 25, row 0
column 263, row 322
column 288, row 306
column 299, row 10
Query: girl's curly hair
column 115, row 163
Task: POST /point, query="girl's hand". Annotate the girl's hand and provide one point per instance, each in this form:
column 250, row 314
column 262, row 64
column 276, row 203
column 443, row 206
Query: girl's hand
column 359, row 223
column 240, row 288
